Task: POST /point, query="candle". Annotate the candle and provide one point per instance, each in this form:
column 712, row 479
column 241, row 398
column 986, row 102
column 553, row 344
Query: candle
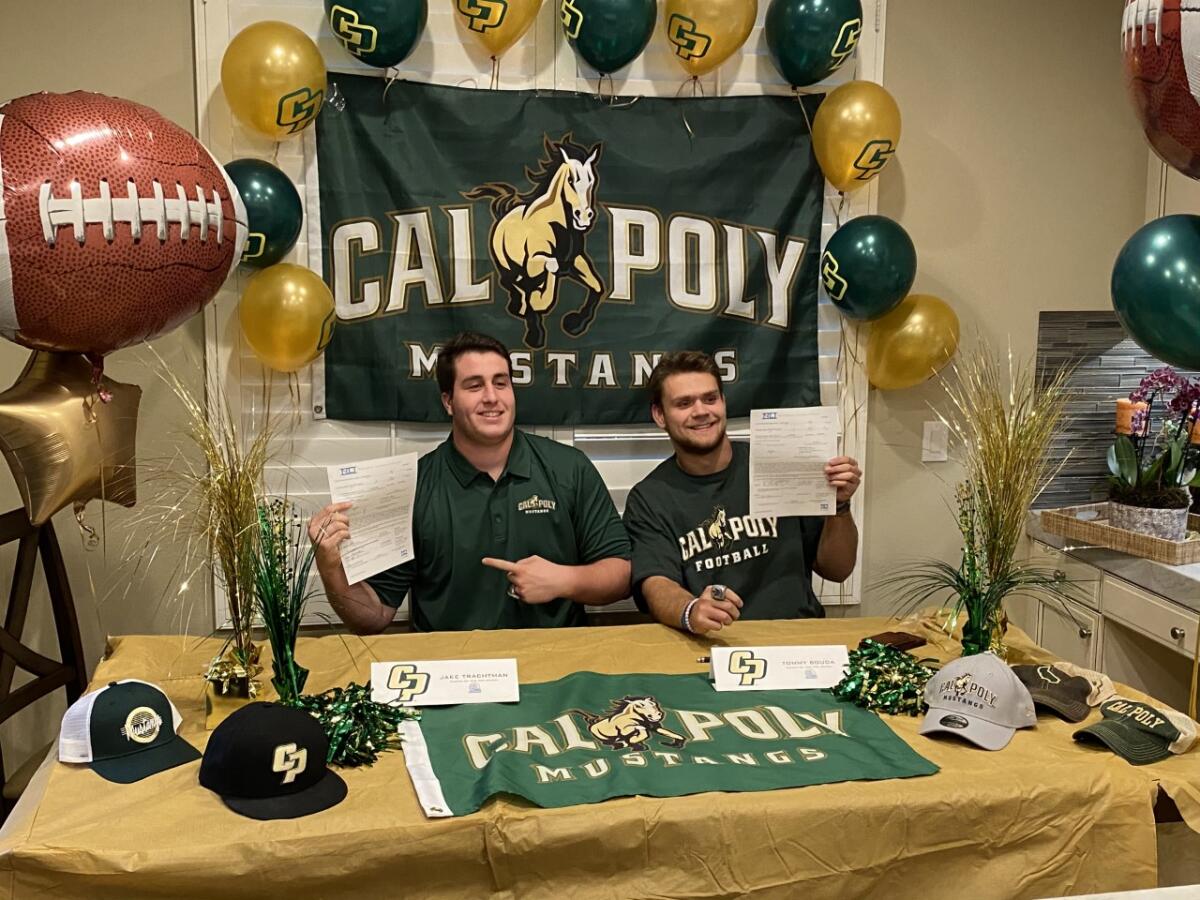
column 1125, row 410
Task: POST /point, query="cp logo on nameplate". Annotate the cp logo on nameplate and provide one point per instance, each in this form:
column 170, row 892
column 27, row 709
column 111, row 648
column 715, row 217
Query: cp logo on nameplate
column 778, row 668
column 442, row 682
column 747, row 666
column 407, row 682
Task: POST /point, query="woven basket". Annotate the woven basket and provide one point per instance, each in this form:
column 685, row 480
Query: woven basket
column 1099, row 533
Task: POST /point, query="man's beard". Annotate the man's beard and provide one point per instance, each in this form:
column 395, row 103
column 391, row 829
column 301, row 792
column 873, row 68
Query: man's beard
column 700, row 447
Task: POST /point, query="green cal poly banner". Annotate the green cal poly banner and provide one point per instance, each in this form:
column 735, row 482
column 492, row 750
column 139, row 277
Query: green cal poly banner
column 588, row 737
column 589, row 237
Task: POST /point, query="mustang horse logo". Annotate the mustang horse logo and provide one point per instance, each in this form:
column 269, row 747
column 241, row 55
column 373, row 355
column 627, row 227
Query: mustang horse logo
column 629, row 724
column 538, row 237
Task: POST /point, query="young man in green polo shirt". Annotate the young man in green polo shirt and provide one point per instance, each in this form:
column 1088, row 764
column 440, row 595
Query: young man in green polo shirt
column 700, row 560
column 511, row 530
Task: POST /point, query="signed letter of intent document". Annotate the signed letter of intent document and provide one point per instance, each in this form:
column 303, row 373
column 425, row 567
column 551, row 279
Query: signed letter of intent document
column 382, row 491
column 788, row 452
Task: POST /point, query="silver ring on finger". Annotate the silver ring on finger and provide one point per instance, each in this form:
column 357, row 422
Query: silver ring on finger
column 513, row 592
column 718, row 592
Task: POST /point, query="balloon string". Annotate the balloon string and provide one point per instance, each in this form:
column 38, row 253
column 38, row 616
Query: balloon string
column 294, row 391
column 838, row 209
column 495, row 85
column 682, row 110
column 393, row 75
column 803, row 109
column 90, row 539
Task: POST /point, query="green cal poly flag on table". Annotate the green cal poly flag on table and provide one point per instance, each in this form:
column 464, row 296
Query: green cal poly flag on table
column 588, row 237
column 588, row 737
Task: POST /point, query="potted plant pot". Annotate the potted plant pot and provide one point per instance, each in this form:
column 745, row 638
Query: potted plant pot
column 1168, row 524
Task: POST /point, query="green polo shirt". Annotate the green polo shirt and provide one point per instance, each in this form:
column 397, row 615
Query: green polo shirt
column 549, row 501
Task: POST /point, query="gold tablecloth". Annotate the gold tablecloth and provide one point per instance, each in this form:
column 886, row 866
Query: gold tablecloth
column 1044, row 817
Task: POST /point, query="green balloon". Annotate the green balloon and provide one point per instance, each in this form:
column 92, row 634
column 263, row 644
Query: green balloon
column 608, row 34
column 273, row 211
column 868, row 267
column 810, row 39
column 379, row 32
column 1156, row 289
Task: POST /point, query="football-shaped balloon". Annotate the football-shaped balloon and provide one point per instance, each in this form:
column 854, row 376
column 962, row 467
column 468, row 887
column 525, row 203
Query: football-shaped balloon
column 116, row 225
column 1158, row 37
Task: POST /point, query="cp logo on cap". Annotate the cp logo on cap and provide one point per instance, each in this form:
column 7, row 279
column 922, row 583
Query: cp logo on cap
column 290, row 760
column 141, row 725
column 746, row 664
column 408, row 681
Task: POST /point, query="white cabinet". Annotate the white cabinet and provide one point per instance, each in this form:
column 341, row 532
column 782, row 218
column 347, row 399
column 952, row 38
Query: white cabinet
column 1084, row 579
column 1160, row 620
column 1071, row 632
column 1133, row 635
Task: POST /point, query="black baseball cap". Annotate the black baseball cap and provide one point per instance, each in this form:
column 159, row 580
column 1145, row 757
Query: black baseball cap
column 125, row 731
column 1051, row 687
column 267, row 761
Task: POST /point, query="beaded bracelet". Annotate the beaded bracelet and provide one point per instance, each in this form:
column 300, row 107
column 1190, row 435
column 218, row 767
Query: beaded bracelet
column 685, row 619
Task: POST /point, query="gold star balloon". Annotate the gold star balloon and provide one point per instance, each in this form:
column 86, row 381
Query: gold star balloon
column 63, row 442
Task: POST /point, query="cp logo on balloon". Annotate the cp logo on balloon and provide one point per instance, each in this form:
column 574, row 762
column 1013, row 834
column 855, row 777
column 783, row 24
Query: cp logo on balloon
column 572, row 18
column 835, row 284
column 358, row 37
column 847, row 39
column 484, row 14
column 298, row 108
column 874, row 156
column 689, row 42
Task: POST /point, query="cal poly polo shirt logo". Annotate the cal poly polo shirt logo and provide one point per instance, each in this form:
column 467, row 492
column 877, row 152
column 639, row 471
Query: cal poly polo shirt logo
column 535, row 505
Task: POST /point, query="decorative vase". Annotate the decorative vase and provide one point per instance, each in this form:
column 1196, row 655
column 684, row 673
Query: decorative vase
column 985, row 634
column 229, row 685
column 1168, row 524
column 223, row 698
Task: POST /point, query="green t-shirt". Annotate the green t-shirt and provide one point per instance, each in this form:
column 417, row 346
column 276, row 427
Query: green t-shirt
column 697, row 531
column 549, row 501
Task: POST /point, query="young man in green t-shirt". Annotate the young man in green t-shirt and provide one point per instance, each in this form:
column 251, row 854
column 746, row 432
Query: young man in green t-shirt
column 700, row 560
column 510, row 530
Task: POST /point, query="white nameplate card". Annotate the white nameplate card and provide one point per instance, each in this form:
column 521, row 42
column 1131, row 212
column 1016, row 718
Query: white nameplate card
column 778, row 668
column 444, row 682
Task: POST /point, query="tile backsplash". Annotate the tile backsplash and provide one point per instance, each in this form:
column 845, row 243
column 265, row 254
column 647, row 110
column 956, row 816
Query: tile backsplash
column 1109, row 365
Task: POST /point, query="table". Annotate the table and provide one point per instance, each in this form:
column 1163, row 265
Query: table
column 1044, row 817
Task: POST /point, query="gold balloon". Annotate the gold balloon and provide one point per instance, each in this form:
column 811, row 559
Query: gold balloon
column 274, row 79
column 287, row 316
column 911, row 343
column 497, row 24
column 705, row 33
column 855, row 133
column 64, row 443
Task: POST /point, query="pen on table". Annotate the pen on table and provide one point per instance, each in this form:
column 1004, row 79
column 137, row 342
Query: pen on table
column 701, row 659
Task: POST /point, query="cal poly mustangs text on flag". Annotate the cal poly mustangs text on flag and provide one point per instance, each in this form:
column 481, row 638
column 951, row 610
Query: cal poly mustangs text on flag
column 588, row 737
column 589, row 237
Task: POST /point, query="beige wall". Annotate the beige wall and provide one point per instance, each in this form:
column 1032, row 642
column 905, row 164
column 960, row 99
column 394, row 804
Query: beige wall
column 1020, row 173
column 140, row 50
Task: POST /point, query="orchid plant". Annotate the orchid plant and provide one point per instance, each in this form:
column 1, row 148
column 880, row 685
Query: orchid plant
column 1153, row 467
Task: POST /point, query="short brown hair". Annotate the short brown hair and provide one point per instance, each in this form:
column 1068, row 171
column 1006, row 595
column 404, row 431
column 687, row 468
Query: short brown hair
column 679, row 363
column 465, row 342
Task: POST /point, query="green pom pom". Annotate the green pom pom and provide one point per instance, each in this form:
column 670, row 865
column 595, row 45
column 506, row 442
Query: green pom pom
column 884, row 679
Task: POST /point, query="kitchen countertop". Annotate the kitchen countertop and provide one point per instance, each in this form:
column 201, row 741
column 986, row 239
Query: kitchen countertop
column 1180, row 584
